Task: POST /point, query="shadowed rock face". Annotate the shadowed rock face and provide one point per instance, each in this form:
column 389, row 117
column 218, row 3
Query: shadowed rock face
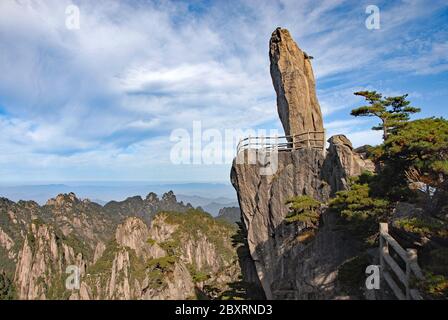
column 287, row 266
column 262, row 201
column 293, row 80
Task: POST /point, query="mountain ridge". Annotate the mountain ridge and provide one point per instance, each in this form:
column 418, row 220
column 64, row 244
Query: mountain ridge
column 38, row 242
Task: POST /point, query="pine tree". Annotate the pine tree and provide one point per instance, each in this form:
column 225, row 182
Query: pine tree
column 392, row 111
column 420, row 150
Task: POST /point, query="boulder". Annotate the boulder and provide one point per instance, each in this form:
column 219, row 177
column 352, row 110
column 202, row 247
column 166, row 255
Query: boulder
column 343, row 162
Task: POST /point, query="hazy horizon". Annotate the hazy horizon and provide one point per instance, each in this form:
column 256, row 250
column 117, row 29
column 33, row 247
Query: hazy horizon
column 197, row 194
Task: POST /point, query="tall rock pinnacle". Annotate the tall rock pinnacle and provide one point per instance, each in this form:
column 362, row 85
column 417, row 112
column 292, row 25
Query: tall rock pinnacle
column 293, row 80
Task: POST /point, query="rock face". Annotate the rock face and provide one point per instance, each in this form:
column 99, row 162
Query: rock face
column 343, row 162
column 291, row 261
column 293, row 80
column 148, row 207
column 288, row 265
column 229, row 214
column 126, row 250
column 161, row 261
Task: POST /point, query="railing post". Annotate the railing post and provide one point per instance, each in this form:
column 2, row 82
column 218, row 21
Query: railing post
column 251, row 154
column 384, row 247
column 412, row 259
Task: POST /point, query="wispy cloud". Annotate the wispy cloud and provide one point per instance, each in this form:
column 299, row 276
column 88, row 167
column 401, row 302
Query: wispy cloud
column 102, row 100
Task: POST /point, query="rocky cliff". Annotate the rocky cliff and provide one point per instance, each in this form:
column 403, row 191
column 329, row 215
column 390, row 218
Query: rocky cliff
column 291, row 261
column 293, row 80
column 134, row 249
column 167, row 260
column 146, row 208
column 229, row 214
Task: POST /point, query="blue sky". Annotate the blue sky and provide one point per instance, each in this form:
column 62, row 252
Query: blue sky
column 100, row 103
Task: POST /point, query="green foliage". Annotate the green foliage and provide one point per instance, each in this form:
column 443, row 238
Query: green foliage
column 137, row 266
column 392, row 111
column 359, row 211
column 158, row 269
column 7, row 265
column 170, row 246
column 78, row 245
column 437, row 261
column 56, row 289
column 7, row 291
column 194, row 224
column 151, row 241
column 239, row 238
column 303, row 209
column 197, row 275
column 238, row 291
column 104, row 264
column 434, row 286
column 424, row 226
column 163, row 264
column 419, row 148
column 351, row 275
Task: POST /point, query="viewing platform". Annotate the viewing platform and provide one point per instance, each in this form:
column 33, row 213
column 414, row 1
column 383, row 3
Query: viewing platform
column 309, row 139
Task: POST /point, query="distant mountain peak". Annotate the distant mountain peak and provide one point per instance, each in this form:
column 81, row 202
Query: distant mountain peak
column 152, row 197
column 169, row 197
column 63, row 199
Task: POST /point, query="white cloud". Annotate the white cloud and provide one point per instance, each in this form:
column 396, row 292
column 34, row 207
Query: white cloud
column 361, row 138
column 106, row 97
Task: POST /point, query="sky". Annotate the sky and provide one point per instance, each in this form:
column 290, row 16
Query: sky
column 100, row 102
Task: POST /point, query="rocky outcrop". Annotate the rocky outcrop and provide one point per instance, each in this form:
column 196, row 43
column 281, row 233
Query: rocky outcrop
column 292, row 261
column 161, row 261
column 288, row 266
column 146, row 208
column 42, row 262
column 343, row 162
column 7, row 243
column 293, row 80
column 81, row 219
column 175, row 255
column 229, row 214
column 133, row 234
column 262, row 201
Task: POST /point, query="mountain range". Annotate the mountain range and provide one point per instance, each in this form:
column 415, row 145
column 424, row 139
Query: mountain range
column 197, row 194
column 138, row 248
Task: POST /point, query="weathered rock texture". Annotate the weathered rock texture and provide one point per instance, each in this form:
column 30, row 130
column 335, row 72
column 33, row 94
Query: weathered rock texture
column 290, row 266
column 343, row 162
column 293, row 80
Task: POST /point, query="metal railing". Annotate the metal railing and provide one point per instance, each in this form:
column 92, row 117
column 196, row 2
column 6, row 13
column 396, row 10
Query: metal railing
column 387, row 262
column 309, row 139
